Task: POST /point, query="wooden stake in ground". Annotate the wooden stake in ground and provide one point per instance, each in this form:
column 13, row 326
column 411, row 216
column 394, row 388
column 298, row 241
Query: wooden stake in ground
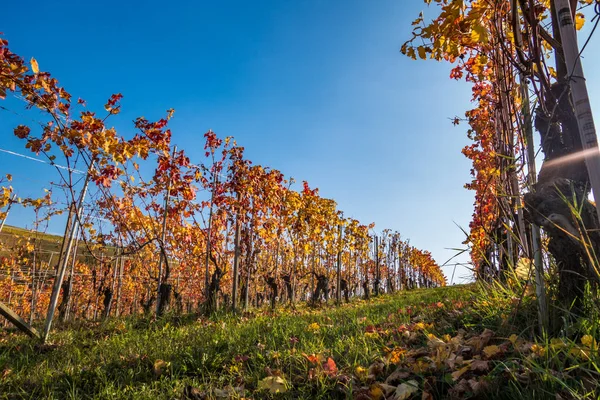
column 160, row 301
column 17, row 321
column 579, row 94
column 236, row 259
column 71, row 228
column 376, row 266
column 338, row 284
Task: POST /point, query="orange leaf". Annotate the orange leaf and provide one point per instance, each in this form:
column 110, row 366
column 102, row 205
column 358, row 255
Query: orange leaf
column 329, row 367
column 34, row 66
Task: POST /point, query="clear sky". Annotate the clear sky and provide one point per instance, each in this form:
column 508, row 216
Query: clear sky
column 314, row 88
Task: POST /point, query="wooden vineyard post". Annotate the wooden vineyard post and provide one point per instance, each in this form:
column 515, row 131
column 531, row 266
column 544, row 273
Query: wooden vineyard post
column 236, row 260
column 163, row 255
column 376, row 265
column 120, row 285
column 338, row 285
column 63, row 309
column 536, row 242
column 70, row 229
column 208, row 237
column 17, row 321
column 580, row 97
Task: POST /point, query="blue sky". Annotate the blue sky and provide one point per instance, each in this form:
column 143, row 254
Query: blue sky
column 316, row 89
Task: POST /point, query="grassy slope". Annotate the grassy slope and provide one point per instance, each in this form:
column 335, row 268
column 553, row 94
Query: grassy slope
column 185, row 357
column 10, row 235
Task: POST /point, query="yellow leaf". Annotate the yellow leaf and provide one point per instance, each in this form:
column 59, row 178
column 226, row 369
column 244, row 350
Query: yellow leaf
column 580, row 353
column 405, row 390
column 589, row 341
column 523, row 268
column 491, row 351
column 360, row 372
column 579, row 21
column 375, row 393
column 159, row 367
column 478, row 33
column 274, row 384
column 513, row 338
column 314, row 327
column 34, row 66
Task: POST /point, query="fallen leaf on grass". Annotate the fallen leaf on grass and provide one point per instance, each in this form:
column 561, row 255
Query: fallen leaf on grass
column 376, row 369
column 192, row 393
column 396, row 377
column 405, row 390
column 480, row 366
column 479, row 342
column 274, row 384
column 159, row 367
column 387, row 390
column 375, row 393
column 491, row 351
column 329, row 367
column 313, row 358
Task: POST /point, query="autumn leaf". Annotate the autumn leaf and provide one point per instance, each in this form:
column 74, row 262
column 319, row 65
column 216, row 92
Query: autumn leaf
column 34, row 66
column 478, row 33
column 480, row 366
column 22, row 131
column 579, row 21
column 313, row 358
column 329, row 367
column 491, row 351
column 523, row 268
column 274, row 384
column 375, row 392
column 314, row 327
column 159, row 367
column 405, row 390
column 589, row 341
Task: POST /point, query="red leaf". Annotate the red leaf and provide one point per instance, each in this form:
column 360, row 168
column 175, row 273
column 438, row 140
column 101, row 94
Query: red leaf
column 330, row 368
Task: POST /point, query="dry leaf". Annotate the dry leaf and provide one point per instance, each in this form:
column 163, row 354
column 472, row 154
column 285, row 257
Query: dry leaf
column 406, row 390
column 375, row 392
column 387, row 389
column 491, row 351
column 330, row 368
column 34, row 66
column 159, row 367
column 274, row 384
column 396, row 377
column 480, row 366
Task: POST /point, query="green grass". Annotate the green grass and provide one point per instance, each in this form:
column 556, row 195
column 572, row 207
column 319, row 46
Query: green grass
column 228, row 356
